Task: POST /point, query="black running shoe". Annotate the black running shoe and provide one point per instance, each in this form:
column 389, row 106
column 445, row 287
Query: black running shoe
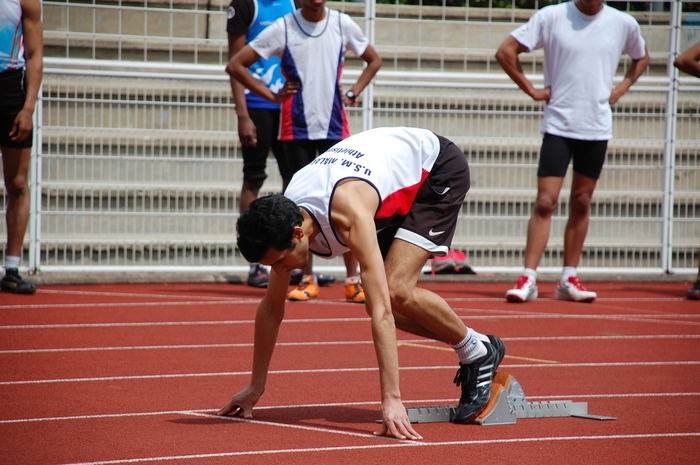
column 258, row 276
column 13, row 282
column 325, row 279
column 694, row 292
column 500, row 349
column 475, row 379
column 322, row 279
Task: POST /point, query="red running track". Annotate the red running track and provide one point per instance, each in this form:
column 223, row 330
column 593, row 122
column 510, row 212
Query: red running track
column 121, row 374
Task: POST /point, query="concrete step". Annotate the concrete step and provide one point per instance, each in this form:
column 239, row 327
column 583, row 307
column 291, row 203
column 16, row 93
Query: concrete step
column 408, row 37
column 161, row 161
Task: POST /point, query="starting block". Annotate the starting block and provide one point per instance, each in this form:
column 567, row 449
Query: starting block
column 506, row 405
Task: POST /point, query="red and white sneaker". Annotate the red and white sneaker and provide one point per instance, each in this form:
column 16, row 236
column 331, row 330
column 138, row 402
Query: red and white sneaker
column 574, row 290
column 524, row 291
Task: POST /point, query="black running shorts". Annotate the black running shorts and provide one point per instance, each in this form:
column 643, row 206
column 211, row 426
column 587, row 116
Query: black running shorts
column 432, row 219
column 557, row 151
column 255, row 158
column 12, row 97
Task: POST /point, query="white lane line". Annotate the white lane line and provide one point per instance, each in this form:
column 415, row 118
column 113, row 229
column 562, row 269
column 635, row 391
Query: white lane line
column 641, row 337
column 640, row 318
column 647, row 318
column 597, row 300
column 178, row 323
column 233, row 296
column 375, row 404
column 186, row 346
column 397, row 443
column 136, row 294
column 208, row 300
column 283, row 425
column 344, row 370
column 96, row 305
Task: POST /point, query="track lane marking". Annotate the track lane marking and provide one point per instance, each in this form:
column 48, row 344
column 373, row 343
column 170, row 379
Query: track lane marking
column 426, row 346
column 647, row 318
column 372, row 403
column 343, row 370
column 337, row 343
column 398, row 444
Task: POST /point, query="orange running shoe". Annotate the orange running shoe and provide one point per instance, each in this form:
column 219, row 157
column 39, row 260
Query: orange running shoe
column 354, row 291
column 306, row 290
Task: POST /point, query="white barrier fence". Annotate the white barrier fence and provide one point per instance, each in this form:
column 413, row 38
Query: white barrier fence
column 137, row 164
column 140, row 170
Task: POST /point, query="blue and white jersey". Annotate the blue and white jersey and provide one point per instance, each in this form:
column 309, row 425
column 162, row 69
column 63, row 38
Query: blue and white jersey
column 11, row 39
column 313, row 54
column 251, row 17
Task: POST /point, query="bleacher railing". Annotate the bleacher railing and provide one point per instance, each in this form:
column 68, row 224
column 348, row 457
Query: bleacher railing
column 137, row 164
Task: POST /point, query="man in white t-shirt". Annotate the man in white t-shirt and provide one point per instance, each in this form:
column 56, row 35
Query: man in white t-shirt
column 311, row 43
column 689, row 62
column 583, row 41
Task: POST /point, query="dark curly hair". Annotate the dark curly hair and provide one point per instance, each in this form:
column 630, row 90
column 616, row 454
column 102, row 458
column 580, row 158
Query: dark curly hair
column 267, row 222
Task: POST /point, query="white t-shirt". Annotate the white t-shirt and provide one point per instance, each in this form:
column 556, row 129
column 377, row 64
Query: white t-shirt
column 395, row 161
column 582, row 54
column 312, row 54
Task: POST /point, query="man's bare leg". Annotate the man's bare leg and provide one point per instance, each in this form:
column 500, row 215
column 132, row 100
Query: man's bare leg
column 582, row 189
column 15, row 164
column 541, row 220
column 416, row 310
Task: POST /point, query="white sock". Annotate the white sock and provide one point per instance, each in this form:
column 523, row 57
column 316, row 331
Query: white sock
column 351, row 278
column 531, row 275
column 471, row 348
column 481, row 337
column 566, row 273
column 11, row 261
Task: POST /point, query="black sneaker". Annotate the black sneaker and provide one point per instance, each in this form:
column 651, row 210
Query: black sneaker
column 475, row 379
column 325, row 279
column 295, row 277
column 13, row 282
column 500, row 349
column 322, row 279
column 694, row 292
column 258, row 276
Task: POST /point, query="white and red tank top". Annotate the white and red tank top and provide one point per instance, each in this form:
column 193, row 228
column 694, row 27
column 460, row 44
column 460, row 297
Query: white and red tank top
column 395, row 161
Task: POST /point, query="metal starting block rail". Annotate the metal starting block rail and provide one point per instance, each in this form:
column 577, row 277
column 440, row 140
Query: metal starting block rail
column 506, row 405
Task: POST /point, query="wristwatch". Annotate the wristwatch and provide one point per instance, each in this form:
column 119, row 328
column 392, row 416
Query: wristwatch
column 350, row 94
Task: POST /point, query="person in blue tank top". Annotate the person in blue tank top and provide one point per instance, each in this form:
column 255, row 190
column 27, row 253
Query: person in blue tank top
column 21, row 69
column 311, row 42
column 258, row 119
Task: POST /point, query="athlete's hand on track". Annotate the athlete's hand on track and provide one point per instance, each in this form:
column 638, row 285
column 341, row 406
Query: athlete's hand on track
column 395, row 422
column 241, row 404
